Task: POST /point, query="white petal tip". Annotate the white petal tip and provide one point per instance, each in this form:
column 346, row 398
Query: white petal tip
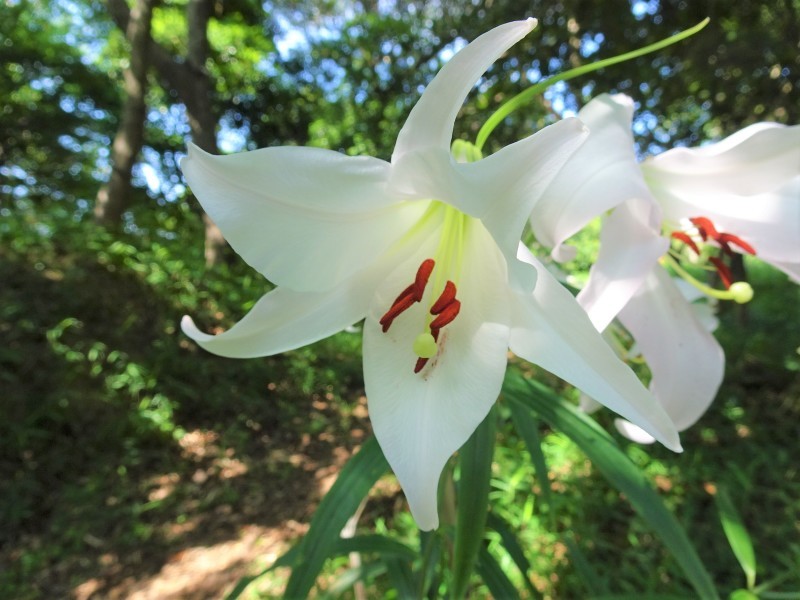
column 425, row 511
column 640, row 436
column 633, row 432
column 531, row 22
column 190, row 329
column 623, row 99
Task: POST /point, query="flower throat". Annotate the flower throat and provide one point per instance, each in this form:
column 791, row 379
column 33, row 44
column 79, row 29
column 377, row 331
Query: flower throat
column 445, row 270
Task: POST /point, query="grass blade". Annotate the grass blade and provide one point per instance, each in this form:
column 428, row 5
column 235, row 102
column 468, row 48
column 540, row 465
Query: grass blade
column 379, row 544
column 492, row 574
column 737, row 536
column 354, row 482
column 475, row 458
column 617, row 469
column 514, row 549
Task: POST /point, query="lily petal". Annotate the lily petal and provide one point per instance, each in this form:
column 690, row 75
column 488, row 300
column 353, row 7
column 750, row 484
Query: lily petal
column 421, row 419
column 686, row 362
column 755, row 160
column 430, row 124
column 523, row 170
column 551, row 330
column 630, row 245
column 284, row 320
column 305, row 218
column 601, row 174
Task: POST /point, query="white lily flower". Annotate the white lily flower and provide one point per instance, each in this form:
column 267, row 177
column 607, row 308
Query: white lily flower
column 424, row 248
column 740, row 195
column 747, row 186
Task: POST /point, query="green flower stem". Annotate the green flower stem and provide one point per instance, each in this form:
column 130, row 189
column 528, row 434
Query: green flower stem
column 526, row 95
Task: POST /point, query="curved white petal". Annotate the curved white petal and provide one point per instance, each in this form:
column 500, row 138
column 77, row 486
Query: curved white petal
column 633, row 432
column 285, row 319
column 754, row 160
column 686, row 362
column 630, row 244
column 505, row 187
column 551, row 330
column 305, row 218
column 601, row 174
column 430, row 123
column 421, row 419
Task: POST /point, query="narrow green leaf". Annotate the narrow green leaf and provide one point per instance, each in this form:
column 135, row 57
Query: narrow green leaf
column 430, row 548
column 400, row 576
column 492, row 574
column 387, row 548
column 475, row 458
column 737, row 536
column 379, row 544
column 527, row 426
column 513, row 547
column 354, row 482
column 618, row 469
column 578, row 559
column 525, row 96
column 365, row 572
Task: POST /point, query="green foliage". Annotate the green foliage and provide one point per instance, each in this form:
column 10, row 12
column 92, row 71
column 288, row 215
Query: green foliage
column 101, row 395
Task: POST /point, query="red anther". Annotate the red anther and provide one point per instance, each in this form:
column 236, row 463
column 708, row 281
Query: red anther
column 410, row 295
column 728, row 238
column 406, row 292
column 679, row 235
column 421, row 280
column 447, row 296
column 401, row 305
column 447, row 315
column 705, row 227
column 724, row 272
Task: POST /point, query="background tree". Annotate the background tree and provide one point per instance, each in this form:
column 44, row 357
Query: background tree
column 113, row 199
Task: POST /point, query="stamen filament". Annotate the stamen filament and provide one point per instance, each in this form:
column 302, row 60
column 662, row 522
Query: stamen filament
column 723, row 270
column 740, row 292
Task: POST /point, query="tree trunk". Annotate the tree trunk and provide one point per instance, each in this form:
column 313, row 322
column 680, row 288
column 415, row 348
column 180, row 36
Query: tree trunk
column 191, row 81
column 114, row 197
column 202, row 119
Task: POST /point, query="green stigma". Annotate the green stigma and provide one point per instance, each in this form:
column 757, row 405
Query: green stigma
column 425, row 346
column 741, row 292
